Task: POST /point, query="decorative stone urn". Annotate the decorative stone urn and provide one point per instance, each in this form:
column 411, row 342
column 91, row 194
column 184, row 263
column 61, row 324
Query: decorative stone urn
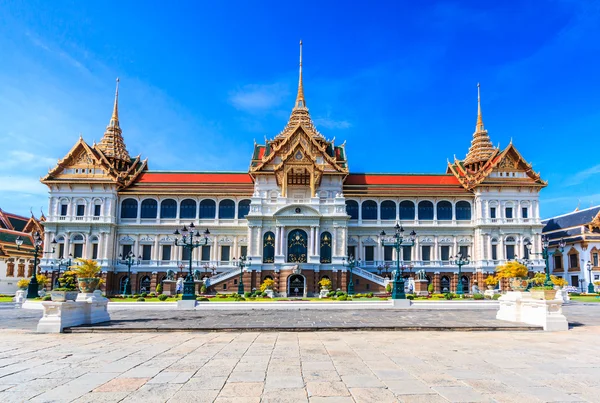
column 543, row 294
column 517, row 283
column 62, row 296
column 491, row 287
column 88, row 285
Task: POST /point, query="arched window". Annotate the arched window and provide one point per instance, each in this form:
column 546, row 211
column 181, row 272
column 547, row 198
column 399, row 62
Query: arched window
column 187, row 209
column 243, row 208
column 77, row 244
column 525, row 248
column 208, row 209
column 269, row 247
column 407, row 210
column 465, row 283
column 145, row 284
column 227, row 209
column 267, row 278
column 510, row 248
column 388, row 210
column 168, row 208
column 369, row 210
column 149, row 208
column 326, row 247
column 352, row 209
column 445, row 284
column 444, row 210
column 425, row 210
column 463, row 210
column 129, row 208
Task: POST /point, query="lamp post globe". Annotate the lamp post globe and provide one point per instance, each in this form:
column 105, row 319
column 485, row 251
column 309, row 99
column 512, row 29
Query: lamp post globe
column 350, row 265
column 460, row 261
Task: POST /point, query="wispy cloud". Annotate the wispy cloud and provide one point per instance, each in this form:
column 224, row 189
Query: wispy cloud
column 584, row 175
column 329, row 123
column 255, row 98
column 24, row 158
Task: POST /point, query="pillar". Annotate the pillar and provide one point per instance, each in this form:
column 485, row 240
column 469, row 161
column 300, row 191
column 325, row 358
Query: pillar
column 436, row 282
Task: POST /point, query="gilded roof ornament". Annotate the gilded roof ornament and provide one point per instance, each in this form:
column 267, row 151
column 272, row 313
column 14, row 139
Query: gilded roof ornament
column 481, row 146
column 112, row 144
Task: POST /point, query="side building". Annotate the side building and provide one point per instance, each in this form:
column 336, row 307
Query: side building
column 578, row 261
column 298, row 213
column 16, row 263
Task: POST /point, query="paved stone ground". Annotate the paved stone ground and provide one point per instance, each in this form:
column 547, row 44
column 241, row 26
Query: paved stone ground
column 301, row 367
column 578, row 314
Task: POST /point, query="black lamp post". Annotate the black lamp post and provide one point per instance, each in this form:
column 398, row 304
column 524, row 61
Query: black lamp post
column 546, row 255
column 590, row 284
column 187, row 241
column 32, row 289
column 460, row 261
column 351, row 264
column 129, row 260
column 397, row 242
column 60, row 263
column 241, row 263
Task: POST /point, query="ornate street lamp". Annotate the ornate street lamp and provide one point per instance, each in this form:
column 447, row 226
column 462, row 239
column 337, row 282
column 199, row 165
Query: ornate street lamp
column 351, row 264
column 546, row 255
column 32, row 289
column 66, row 263
column 241, row 263
column 187, row 241
column 397, row 242
column 460, row 261
column 591, row 283
column 129, row 260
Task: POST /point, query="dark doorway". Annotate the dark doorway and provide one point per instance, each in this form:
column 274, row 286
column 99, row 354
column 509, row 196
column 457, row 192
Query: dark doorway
column 296, row 286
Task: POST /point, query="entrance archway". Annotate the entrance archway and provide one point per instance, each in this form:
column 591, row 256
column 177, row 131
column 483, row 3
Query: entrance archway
column 297, row 246
column 296, row 285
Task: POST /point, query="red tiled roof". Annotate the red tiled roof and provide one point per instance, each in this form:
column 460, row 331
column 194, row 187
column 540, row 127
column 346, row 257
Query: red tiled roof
column 195, row 177
column 401, row 179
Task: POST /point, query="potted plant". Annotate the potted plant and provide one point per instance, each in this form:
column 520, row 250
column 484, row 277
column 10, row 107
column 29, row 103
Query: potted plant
column 325, row 284
column 516, row 273
column 491, row 282
column 87, row 273
column 267, row 286
column 23, row 284
column 68, row 288
column 539, row 290
column 42, row 281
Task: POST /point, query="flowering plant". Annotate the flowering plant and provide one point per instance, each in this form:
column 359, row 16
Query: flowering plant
column 511, row 269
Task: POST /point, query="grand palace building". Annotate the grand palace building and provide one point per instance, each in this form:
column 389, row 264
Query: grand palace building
column 298, row 213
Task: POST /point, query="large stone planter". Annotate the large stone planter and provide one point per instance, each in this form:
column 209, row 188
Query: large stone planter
column 62, row 296
column 543, row 294
column 88, row 285
column 517, row 283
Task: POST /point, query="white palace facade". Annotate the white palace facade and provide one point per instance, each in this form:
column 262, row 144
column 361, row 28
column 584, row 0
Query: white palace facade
column 297, row 212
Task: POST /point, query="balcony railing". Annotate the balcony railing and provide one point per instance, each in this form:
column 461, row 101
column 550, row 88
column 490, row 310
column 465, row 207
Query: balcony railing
column 79, row 218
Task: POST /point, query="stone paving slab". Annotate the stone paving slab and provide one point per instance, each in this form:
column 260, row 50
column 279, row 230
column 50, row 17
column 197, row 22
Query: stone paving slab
column 296, row 367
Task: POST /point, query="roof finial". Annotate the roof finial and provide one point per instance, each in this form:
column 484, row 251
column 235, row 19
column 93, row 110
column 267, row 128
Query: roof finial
column 300, row 103
column 114, row 120
column 479, row 126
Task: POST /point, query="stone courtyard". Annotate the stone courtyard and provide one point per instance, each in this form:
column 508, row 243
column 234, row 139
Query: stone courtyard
column 325, row 366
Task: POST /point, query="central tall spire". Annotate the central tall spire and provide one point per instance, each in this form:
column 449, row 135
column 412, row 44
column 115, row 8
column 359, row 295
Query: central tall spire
column 481, row 146
column 300, row 102
column 112, row 144
column 114, row 120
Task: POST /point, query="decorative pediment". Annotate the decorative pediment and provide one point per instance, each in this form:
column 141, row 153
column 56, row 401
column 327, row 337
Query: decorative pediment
column 146, row 239
column 352, row 241
column 297, row 211
column 369, row 241
column 167, row 239
column 426, row 240
column 127, row 240
column 445, row 240
column 464, row 241
column 225, row 240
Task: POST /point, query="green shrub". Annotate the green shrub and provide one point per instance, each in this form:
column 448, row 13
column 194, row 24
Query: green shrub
column 247, row 294
column 388, row 288
column 438, row 295
column 411, row 297
column 238, row 299
column 162, row 297
column 141, row 299
column 331, row 294
column 359, row 295
column 477, row 296
column 342, row 298
column 136, row 295
column 202, row 299
column 496, row 296
column 263, row 294
column 143, row 295
column 203, row 289
column 575, row 294
column 159, row 289
column 152, row 295
column 430, row 288
column 47, row 298
column 223, row 295
column 370, row 295
column 448, row 296
column 340, row 293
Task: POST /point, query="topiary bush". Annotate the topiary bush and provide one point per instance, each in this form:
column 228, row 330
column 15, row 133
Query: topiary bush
column 342, row 298
column 239, row 299
column 370, row 295
column 388, row 288
column 331, row 294
column 478, row 296
column 141, row 299
column 143, row 295
column 263, row 294
column 159, row 289
column 411, row 297
column 340, row 293
column 247, row 294
column 496, row 296
column 162, row 297
column 430, row 288
column 448, row 296
column 46, row 298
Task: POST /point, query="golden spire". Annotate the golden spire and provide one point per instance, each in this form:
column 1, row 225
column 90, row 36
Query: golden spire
column 114, row 120
column 481, row 146
column 300, row 102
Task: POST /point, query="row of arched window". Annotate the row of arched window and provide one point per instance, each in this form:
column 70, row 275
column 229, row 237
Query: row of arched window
column 188, row 208
column 406, row 211
column 297, row 247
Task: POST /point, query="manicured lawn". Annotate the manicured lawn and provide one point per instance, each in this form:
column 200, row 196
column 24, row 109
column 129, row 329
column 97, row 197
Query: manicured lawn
column 148, row 299
column 585, row 298
column 6, row 299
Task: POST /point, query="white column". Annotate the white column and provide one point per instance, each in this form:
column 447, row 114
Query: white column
column 235, row 248
column 317, row 240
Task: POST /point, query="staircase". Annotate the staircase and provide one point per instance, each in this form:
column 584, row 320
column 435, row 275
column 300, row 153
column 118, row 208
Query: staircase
column 369, row 276
column 221, row 277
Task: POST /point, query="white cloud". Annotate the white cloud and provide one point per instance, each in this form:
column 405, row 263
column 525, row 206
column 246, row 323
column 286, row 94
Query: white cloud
column 582, row 176
column 258, row 98
column 330, row 123
column 27, row 160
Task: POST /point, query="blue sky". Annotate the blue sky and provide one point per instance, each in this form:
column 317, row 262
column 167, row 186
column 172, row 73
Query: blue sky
column 396, row 80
